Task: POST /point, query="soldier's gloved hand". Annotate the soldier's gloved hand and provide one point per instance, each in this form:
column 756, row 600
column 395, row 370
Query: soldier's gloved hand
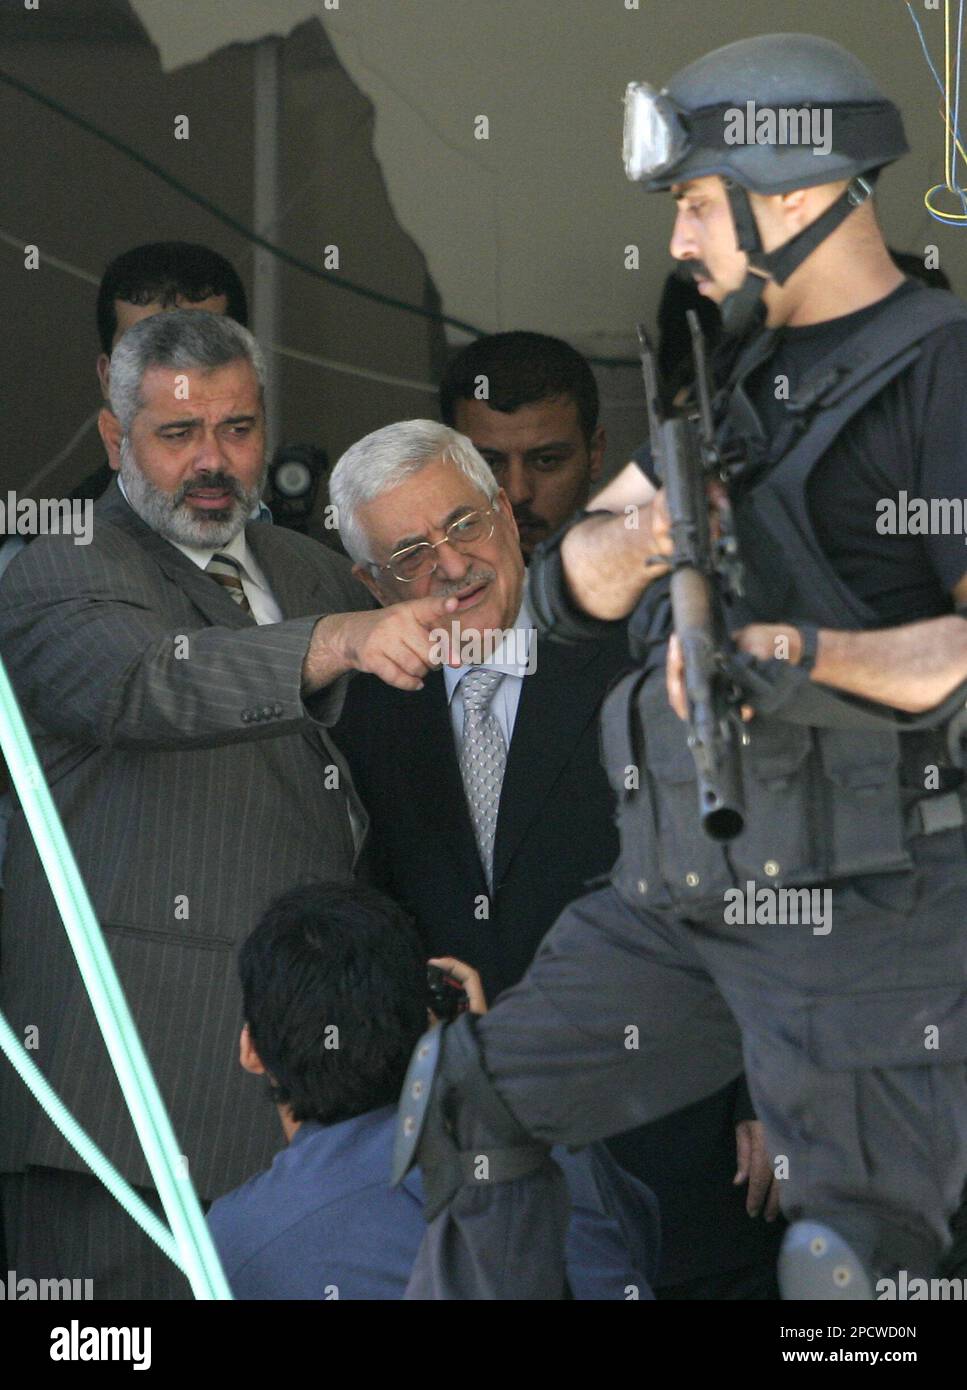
column 765, row 666
column 770, row 642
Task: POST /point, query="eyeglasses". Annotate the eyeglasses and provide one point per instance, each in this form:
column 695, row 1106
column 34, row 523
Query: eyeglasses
column 418, row 561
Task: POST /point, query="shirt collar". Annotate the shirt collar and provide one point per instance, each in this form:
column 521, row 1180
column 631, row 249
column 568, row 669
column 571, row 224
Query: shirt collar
column 343, row 1129
column 237, row 548
column 506, row 658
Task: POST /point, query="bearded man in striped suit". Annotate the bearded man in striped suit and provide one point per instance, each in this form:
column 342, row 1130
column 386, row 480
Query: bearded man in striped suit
column 180, row 675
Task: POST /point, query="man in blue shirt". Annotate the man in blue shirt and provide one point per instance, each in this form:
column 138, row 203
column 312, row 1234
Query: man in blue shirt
column 334, row 991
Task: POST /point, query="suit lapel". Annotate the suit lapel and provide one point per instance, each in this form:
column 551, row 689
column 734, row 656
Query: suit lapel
column 293, row 581
column 557, row 700
column 208, row 596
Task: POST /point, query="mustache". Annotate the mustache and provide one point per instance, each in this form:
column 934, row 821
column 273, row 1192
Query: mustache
column 469, row 581
column 206, row 482
column 525, row 517
column 692, row 270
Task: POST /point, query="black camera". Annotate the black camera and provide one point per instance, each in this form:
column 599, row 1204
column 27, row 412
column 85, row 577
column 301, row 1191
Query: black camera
column 446, row 997
column 294, row 476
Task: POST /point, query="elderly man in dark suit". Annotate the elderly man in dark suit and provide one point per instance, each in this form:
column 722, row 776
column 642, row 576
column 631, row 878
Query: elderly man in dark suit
column 489, row 808
column 180, row 675
column 484, row 876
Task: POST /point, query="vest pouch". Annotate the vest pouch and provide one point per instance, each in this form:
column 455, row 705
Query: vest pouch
column 615, row 737
column 863, row 811
column 692, row 866
column 635, row 874
column 782, row 841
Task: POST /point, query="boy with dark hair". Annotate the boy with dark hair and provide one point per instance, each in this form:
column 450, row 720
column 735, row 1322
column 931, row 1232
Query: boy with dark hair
column 334, row 990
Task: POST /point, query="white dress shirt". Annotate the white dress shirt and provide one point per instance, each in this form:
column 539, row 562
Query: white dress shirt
column 517, row 641
column 254, row 583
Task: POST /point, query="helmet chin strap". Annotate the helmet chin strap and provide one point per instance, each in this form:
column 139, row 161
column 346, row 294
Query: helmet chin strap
column 743, row 310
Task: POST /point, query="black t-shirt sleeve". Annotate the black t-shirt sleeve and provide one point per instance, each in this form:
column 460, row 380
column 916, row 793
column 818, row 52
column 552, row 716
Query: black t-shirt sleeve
column 942, row 372
column 642, row 457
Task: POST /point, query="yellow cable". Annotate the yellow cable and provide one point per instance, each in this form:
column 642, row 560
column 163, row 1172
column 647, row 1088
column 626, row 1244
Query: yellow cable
column 946, row 79
column 949, row 185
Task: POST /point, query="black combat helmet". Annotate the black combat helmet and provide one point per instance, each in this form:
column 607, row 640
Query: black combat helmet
column 709, row 120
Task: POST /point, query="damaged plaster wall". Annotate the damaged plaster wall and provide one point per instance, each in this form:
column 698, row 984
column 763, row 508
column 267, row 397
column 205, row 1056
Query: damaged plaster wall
column 82, row 202
column 525, row 229
column 528, row 228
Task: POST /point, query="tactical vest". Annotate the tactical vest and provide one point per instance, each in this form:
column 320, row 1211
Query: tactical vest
column 824, row 779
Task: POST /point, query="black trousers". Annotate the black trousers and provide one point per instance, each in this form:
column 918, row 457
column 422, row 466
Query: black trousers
column 854, row 1043
column 63, row 1225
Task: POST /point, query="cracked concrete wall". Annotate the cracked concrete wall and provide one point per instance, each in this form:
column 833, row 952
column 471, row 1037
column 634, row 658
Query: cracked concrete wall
column 82, row 202
column 525, row 229
column 528, row 228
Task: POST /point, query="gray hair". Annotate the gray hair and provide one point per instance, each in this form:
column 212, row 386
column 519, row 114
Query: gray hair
column 388, row 456
column 183, row 339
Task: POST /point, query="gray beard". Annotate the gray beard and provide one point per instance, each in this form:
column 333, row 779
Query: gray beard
column 168, row 514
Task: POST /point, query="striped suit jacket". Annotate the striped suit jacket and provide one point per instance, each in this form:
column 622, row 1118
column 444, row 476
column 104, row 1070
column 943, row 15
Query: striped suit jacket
column 195, row 784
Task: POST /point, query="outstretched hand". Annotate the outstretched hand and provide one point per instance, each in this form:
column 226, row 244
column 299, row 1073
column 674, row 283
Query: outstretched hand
column 394, row 643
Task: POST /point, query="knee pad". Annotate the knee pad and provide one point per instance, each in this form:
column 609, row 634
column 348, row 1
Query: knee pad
column 453, row 1123
column 816, row 1262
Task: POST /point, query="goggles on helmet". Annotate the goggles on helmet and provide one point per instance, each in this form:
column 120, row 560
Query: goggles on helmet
column 658, row 133
column 654, row 135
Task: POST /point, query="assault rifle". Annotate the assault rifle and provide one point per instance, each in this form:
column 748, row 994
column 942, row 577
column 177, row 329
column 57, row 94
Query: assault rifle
column 685, row 456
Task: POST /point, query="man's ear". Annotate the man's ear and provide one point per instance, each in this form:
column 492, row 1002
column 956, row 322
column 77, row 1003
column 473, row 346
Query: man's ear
column 502, row 501
column 247, row 1055
column 104, row 374
column 795, row 207
column 596, row 452
column 109, row 428
column 365, row 575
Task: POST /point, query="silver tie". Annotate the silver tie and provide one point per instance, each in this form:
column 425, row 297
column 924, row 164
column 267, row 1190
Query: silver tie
column 483, row 758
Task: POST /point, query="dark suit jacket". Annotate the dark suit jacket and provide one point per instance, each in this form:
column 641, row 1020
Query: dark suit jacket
column 192, row 781
column 555, row 827
column 554, row 833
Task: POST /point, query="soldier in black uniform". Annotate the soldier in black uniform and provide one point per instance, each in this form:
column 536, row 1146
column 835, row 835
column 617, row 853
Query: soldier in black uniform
column 843, row 406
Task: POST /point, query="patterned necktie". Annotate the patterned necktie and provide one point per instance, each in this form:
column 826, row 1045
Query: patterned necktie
column 483, row 758
column 227, row 572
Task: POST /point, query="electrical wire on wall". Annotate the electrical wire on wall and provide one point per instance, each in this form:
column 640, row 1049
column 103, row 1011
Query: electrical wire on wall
column 281, row 349
column 950, row 114
column 250, row 235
